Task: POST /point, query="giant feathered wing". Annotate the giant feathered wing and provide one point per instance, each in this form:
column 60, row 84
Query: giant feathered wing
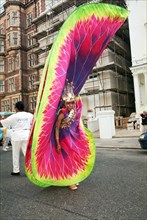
column 77, row 47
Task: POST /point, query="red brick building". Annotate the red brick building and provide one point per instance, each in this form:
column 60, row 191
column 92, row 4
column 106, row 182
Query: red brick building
column 17, row 75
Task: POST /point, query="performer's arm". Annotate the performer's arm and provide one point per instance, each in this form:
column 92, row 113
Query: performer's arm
column 58, row 123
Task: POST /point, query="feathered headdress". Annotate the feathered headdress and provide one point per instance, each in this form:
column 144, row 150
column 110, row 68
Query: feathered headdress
column 68, row 94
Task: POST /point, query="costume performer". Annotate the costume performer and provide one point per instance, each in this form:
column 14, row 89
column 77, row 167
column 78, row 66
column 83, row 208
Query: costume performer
column 77, row 47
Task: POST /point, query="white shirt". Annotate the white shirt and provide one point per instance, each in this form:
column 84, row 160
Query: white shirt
column 21, row 124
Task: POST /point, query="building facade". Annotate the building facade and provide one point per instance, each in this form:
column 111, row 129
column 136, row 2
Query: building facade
column 17, row 75
column 27, row 31
column 138, row 36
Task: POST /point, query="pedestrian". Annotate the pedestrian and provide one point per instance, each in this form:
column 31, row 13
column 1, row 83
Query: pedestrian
column 21, row 124
column 6, row 138
column 144, row 121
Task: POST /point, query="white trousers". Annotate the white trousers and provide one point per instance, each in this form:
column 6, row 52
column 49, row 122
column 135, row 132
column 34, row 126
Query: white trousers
column 16, row 147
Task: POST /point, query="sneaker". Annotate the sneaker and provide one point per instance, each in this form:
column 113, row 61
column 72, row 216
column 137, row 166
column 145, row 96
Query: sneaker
column 15, row 174
column 5, row 149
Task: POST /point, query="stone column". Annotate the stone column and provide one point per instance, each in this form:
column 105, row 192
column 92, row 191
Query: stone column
column 137, row 93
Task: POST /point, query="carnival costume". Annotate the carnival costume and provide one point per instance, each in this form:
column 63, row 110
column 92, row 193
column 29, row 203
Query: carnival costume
column 77, row 47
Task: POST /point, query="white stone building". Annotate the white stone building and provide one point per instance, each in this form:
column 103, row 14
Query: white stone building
column 138, row 38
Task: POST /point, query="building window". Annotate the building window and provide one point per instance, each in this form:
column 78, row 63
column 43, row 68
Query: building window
column 14, row 18
column 5, row 105
column 1, row 28
column 17, row 62
column 38, row 8
column 10, row 64
column 9, row 40
column 14, row 100
column 1, row 65
column 29, row 19
column 15, row 38
column 1, row 45
column 11, row 85
column 2, row 86
column 30, row 40
column 8, row 20
column 33, row 100
column 30, row 60
column 31, row 81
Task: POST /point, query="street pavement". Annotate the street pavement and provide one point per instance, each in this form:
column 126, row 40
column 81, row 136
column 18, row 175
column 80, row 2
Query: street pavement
column 115, row 190
column 123, row 139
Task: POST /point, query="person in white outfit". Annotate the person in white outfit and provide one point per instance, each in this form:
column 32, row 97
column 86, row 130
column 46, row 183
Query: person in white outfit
column 21, row 123
column 6, row 138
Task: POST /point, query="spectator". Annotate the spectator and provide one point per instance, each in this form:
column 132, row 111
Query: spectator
column 21, row 124
column 144, row 121
column 6, row 138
